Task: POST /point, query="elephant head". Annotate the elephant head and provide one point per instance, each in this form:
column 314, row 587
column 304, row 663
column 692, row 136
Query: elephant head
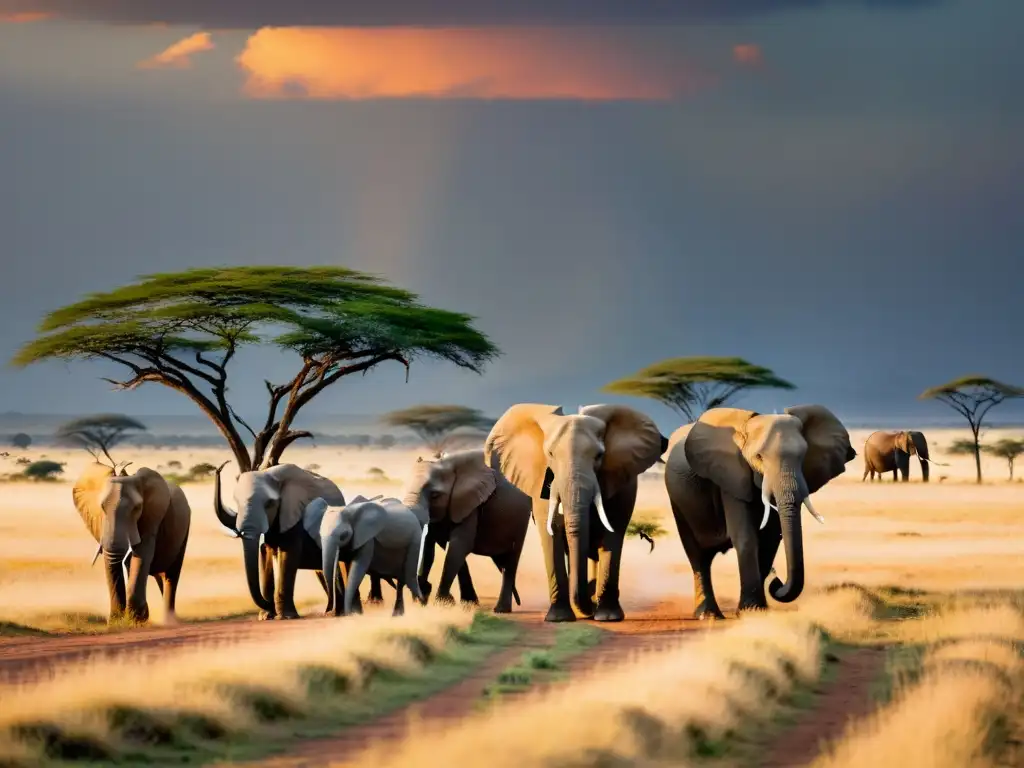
column 913, row 443
column 347, row 527
column 575, row 462
column 119, row 509
column 266, row 499
column 451, row 487
column 782, row 457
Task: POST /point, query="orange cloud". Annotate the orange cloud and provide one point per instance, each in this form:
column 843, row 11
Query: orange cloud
column 747, row 54
column 25, row 17
column 179, row 55
column 474, row 63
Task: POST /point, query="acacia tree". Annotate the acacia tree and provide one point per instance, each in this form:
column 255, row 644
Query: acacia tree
column 22, row 441
column 1008, row 448
column 692, row 385
column 183, row 330
column 973, row 397
column 439, row 426
column 98, row 434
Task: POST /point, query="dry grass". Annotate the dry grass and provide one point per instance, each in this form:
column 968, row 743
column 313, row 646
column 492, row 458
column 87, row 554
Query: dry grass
column 952, row 708
column 104, row 708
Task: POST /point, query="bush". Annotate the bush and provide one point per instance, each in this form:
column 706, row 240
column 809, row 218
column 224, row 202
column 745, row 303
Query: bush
column 312, row 467
column 21, row 441
column 174, row 464
column 44, row 470
column 202, row 471
column 376, row 472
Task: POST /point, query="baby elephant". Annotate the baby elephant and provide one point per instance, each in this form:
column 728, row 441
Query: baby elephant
column 383, row 538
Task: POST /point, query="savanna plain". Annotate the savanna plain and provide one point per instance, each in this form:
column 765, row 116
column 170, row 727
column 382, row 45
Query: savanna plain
column 905, row 648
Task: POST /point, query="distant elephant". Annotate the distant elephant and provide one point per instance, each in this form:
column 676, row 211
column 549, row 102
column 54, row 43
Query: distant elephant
column 472, row 510
column 381, row 537
column 584, row 466
column 270, row 503
column 723, row 473
column 891, row 451
column 141, row 514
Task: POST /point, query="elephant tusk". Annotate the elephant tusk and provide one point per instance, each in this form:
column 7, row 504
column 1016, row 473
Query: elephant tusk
column 99, row 551
column 553, row 504
column 423, row 543
column 814, row 514
column 766, row 498
column 230, row 532
column 601, row 513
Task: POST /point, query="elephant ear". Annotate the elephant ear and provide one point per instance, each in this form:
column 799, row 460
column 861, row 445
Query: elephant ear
column 87, row 493
column 298, row 487
column 515, row 445
column 474, row 484
column 313, row 515
column 828, row 444
column 367, row 523
column 154, row 496
column 713, row 450
column 632, row 444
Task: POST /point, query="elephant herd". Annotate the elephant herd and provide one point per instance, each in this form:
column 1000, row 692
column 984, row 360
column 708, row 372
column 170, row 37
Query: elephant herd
column 735, row 479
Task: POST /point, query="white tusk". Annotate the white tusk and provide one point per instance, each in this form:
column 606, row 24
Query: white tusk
column 766, row 498
column 815, row 515
column 601, row 513
column 229, row 532
column 553, row 506
column 423, row 543
column 97, row 555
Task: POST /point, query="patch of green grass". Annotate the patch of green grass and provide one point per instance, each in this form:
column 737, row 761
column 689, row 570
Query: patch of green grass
column 333, row 703
column 10, row 629
column 539, row 666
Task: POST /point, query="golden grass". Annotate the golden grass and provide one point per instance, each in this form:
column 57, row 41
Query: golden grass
column 950, row 713
column 96, row 705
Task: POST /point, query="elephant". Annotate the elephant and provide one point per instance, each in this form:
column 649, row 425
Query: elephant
column 891, row 451
column 584, row 466
column 381, row 537
column 270, row 504
column 472, row 509
column 723, row 473
column 142, row 515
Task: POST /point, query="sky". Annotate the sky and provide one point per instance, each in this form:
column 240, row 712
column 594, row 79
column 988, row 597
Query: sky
column 832, row 189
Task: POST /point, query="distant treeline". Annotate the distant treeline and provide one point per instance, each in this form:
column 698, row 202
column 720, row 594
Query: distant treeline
column 216, row 441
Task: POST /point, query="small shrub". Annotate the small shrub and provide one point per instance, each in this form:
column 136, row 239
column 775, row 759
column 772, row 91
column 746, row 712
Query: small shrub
column 21, row 461
column 44, row 470
column 312, row 467
column 21, row 441
column 376, row 472
column 174, row 464
column 202, row 471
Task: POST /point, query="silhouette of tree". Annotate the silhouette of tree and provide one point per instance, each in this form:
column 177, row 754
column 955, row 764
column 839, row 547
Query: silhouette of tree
column 182, row 330
column 21, row 441
column 692, row 385
column 98, row 434
column 441, row 426
column 1008, row 448
column 973, row 397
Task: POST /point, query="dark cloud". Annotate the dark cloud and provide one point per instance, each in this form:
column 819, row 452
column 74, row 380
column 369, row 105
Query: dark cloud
column 247, row 14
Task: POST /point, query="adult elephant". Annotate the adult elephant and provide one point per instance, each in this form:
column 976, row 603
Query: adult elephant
column 736, row 478
column 585, row 466
column 269, row 504
column 472, row 510
column 142, row 515
column 891, row 451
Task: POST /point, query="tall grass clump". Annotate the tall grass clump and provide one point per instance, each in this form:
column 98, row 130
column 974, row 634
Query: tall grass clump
column 104, row 709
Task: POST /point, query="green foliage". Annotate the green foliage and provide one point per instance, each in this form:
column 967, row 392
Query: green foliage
column 440, row 426
column 650, row 528
column 98, row 434
column 44, row 470
column 202, row 471
column 692, row 385
column 183, row 329
column 961, row 447
column 973, row 397
column 21, row 441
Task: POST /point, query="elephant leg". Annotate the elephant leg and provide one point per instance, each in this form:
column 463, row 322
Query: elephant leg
column 459, row 547
column 593, row 567
column 327, row 588
column 555, row 553
column 376, row 596
column 138, row 574
column 357, row 571
column 267, row 579
column 425, row 566
column 742, row 530
column 467, row 592
column 357, row 602
column 399, row 609
column 289, row 557
column 609, row 559
column 768, row 543
column 509, row 566
column 171, row 579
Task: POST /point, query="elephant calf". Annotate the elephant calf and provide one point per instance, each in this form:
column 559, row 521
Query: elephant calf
column 383, row 538
column 141, row 515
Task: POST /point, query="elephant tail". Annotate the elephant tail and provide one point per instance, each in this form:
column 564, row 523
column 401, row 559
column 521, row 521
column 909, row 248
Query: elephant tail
column 515, row 595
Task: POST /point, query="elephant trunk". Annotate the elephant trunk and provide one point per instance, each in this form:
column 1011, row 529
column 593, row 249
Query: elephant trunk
column 789, row 500
column 224, row 517
column 251, row 551
column 331, row 554
column 114, row 562
column 576, row 503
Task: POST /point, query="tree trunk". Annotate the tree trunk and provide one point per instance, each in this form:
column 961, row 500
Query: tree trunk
column 977, row 456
